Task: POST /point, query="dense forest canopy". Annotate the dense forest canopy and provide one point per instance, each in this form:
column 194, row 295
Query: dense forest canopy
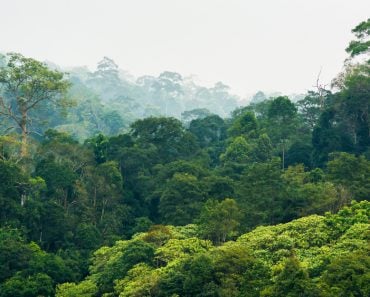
column 156, row 186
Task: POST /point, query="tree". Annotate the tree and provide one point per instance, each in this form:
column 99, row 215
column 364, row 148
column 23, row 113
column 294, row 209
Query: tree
column 327, row 138
column 347, row 275
column 304, row 196
column 351, row 172
column 310, row 108
column 218, row 221
column 27, row 84
column 354, row 107
column 167, row 134
column 181, row 199
column 239, row 151
column 199, row 277
column 10, row 148
column 208, row 130
column 141, row 281
column 86, row 288
column 99, row 144
column 105, row 188
column 13, row 188
column 245, row 124
column 282, row 118
column 258, row 97
column 261, row 185
column 194, row 114
column 14, row 253
column 133, row 252
column 107, row 69
column 362, row 44
column 300, row 152
column 32, row 286
column 262, row 152
column 293, row 280
column 211, row 134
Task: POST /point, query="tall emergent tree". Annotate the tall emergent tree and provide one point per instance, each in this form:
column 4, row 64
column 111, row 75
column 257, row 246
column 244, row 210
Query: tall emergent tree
column 26, row 84
column 362, row 43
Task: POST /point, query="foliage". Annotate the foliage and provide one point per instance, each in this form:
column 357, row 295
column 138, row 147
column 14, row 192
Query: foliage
column 218, row 221
column 119, row 198
column 312, row 256
column 27, row 84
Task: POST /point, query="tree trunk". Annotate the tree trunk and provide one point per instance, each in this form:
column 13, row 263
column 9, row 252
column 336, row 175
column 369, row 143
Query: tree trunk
column 94, row 201
column 23, row 126
column 283, row 159
column 65, row 201
column 23, row 199
column 104, row 204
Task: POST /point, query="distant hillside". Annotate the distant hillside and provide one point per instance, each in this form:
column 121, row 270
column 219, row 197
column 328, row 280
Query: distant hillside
column 109, row 99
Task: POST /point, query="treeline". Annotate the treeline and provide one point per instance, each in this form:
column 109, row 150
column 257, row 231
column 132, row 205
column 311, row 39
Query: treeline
column 181, row 190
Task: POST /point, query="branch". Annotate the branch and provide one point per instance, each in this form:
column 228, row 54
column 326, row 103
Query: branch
column 45, row 95
column 7, row 111
column 320, row 89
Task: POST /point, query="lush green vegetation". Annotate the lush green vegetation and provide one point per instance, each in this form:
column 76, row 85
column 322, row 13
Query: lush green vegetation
column 270, row 201
column 311, row 256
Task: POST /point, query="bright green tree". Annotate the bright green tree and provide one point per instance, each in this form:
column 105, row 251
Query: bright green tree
column 239, row 151
column 292, row 281
column 85, row 288
column 219, row 221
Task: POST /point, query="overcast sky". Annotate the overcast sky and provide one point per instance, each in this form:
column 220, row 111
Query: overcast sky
column 248, row 44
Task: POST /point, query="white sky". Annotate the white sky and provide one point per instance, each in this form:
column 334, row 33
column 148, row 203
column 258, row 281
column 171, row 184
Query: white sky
column 248, row 44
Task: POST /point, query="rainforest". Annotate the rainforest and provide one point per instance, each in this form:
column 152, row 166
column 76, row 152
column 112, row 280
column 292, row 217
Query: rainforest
column 160, row 186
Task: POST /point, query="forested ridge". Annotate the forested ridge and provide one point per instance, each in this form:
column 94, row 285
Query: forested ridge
column 102, row 193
